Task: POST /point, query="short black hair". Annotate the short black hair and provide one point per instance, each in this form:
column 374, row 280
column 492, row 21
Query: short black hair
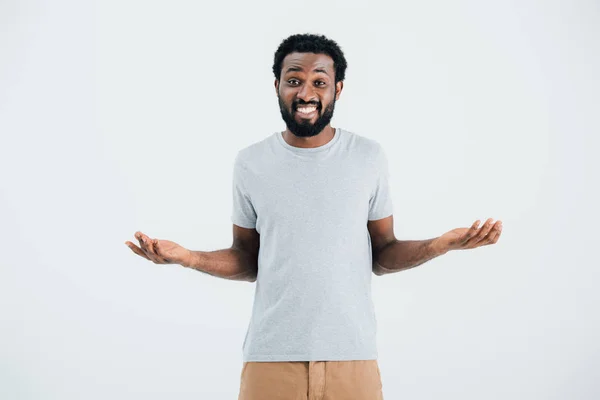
column 310, row 43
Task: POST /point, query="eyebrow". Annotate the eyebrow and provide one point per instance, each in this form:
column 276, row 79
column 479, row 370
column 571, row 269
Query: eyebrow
column 298, row 69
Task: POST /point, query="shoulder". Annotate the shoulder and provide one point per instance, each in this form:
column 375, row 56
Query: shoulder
column 368, row 148
column 254, row 152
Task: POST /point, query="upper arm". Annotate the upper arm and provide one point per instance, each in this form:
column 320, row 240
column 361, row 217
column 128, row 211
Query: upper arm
column 246, row 239
column 382, row 233
column 247, row 242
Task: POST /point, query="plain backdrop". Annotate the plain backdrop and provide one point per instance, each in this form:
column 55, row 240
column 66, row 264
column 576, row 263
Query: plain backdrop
column 118, row 116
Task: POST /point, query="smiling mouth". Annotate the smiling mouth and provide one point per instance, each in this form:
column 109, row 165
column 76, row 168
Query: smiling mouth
column 304, row 111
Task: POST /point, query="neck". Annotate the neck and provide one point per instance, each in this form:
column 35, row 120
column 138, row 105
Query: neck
column 318, row 140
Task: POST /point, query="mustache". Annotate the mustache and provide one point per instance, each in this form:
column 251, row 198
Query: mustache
column 310, row 103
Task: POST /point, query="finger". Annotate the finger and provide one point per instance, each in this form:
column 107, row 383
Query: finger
column 140, row 237
column 158, row 251
column 146, row 245
column 137, row 250
column 475, row 239
column 470, row 233
column 151, row 246
column 148, row 241
column 483, row 232
column 495, row 234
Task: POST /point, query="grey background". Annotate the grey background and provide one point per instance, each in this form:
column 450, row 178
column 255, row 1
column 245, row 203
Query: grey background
column 119, row 116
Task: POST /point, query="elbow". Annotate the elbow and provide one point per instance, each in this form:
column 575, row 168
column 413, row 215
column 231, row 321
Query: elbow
column 244, row 277
column 251, row 275
column 378, row 269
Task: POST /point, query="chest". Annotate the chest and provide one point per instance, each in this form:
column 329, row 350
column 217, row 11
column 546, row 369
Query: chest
column 313, row 194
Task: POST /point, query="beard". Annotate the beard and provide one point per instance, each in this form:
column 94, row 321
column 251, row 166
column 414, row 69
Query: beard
column 306, row 128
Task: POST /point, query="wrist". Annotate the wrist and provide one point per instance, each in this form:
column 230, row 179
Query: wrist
column 190, row 260
column 439, row 246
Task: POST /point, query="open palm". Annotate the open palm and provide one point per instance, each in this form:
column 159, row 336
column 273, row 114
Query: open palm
column 160, row 251
column 470, row 238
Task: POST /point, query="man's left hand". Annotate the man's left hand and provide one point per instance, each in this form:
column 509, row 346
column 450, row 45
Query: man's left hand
column 470, row 238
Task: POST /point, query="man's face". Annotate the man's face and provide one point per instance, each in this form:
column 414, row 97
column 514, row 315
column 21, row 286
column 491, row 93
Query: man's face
column 307, row 92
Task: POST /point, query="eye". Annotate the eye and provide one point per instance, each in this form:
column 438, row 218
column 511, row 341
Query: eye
column 293, row 82
column 320, row 83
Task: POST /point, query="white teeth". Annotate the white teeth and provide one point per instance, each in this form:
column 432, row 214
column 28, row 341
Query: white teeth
column 306, row 110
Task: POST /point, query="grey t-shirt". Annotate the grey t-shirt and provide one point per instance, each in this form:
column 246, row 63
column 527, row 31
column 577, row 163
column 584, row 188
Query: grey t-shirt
column 310, row 206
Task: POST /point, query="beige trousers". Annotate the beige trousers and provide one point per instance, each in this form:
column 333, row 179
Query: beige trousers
column 311, row 380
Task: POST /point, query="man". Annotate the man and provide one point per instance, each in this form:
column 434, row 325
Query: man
column 313, row 220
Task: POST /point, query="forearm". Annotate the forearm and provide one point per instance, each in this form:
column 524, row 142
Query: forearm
column 233, row 264
column 404, row 254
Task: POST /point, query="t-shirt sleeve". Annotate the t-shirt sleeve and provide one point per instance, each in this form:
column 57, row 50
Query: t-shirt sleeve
column 380, row 203
column 243, row 213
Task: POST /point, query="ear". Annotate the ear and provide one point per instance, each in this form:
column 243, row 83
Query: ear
column 277, row 86
column 338, row 89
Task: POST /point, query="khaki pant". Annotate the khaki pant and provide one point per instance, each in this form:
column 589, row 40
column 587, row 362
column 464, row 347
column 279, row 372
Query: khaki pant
column 311, row 380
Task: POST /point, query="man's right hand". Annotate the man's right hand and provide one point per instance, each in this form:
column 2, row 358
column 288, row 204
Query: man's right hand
column 160, row 251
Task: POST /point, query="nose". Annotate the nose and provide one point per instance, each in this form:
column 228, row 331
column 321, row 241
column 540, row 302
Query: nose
column 307, row 93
